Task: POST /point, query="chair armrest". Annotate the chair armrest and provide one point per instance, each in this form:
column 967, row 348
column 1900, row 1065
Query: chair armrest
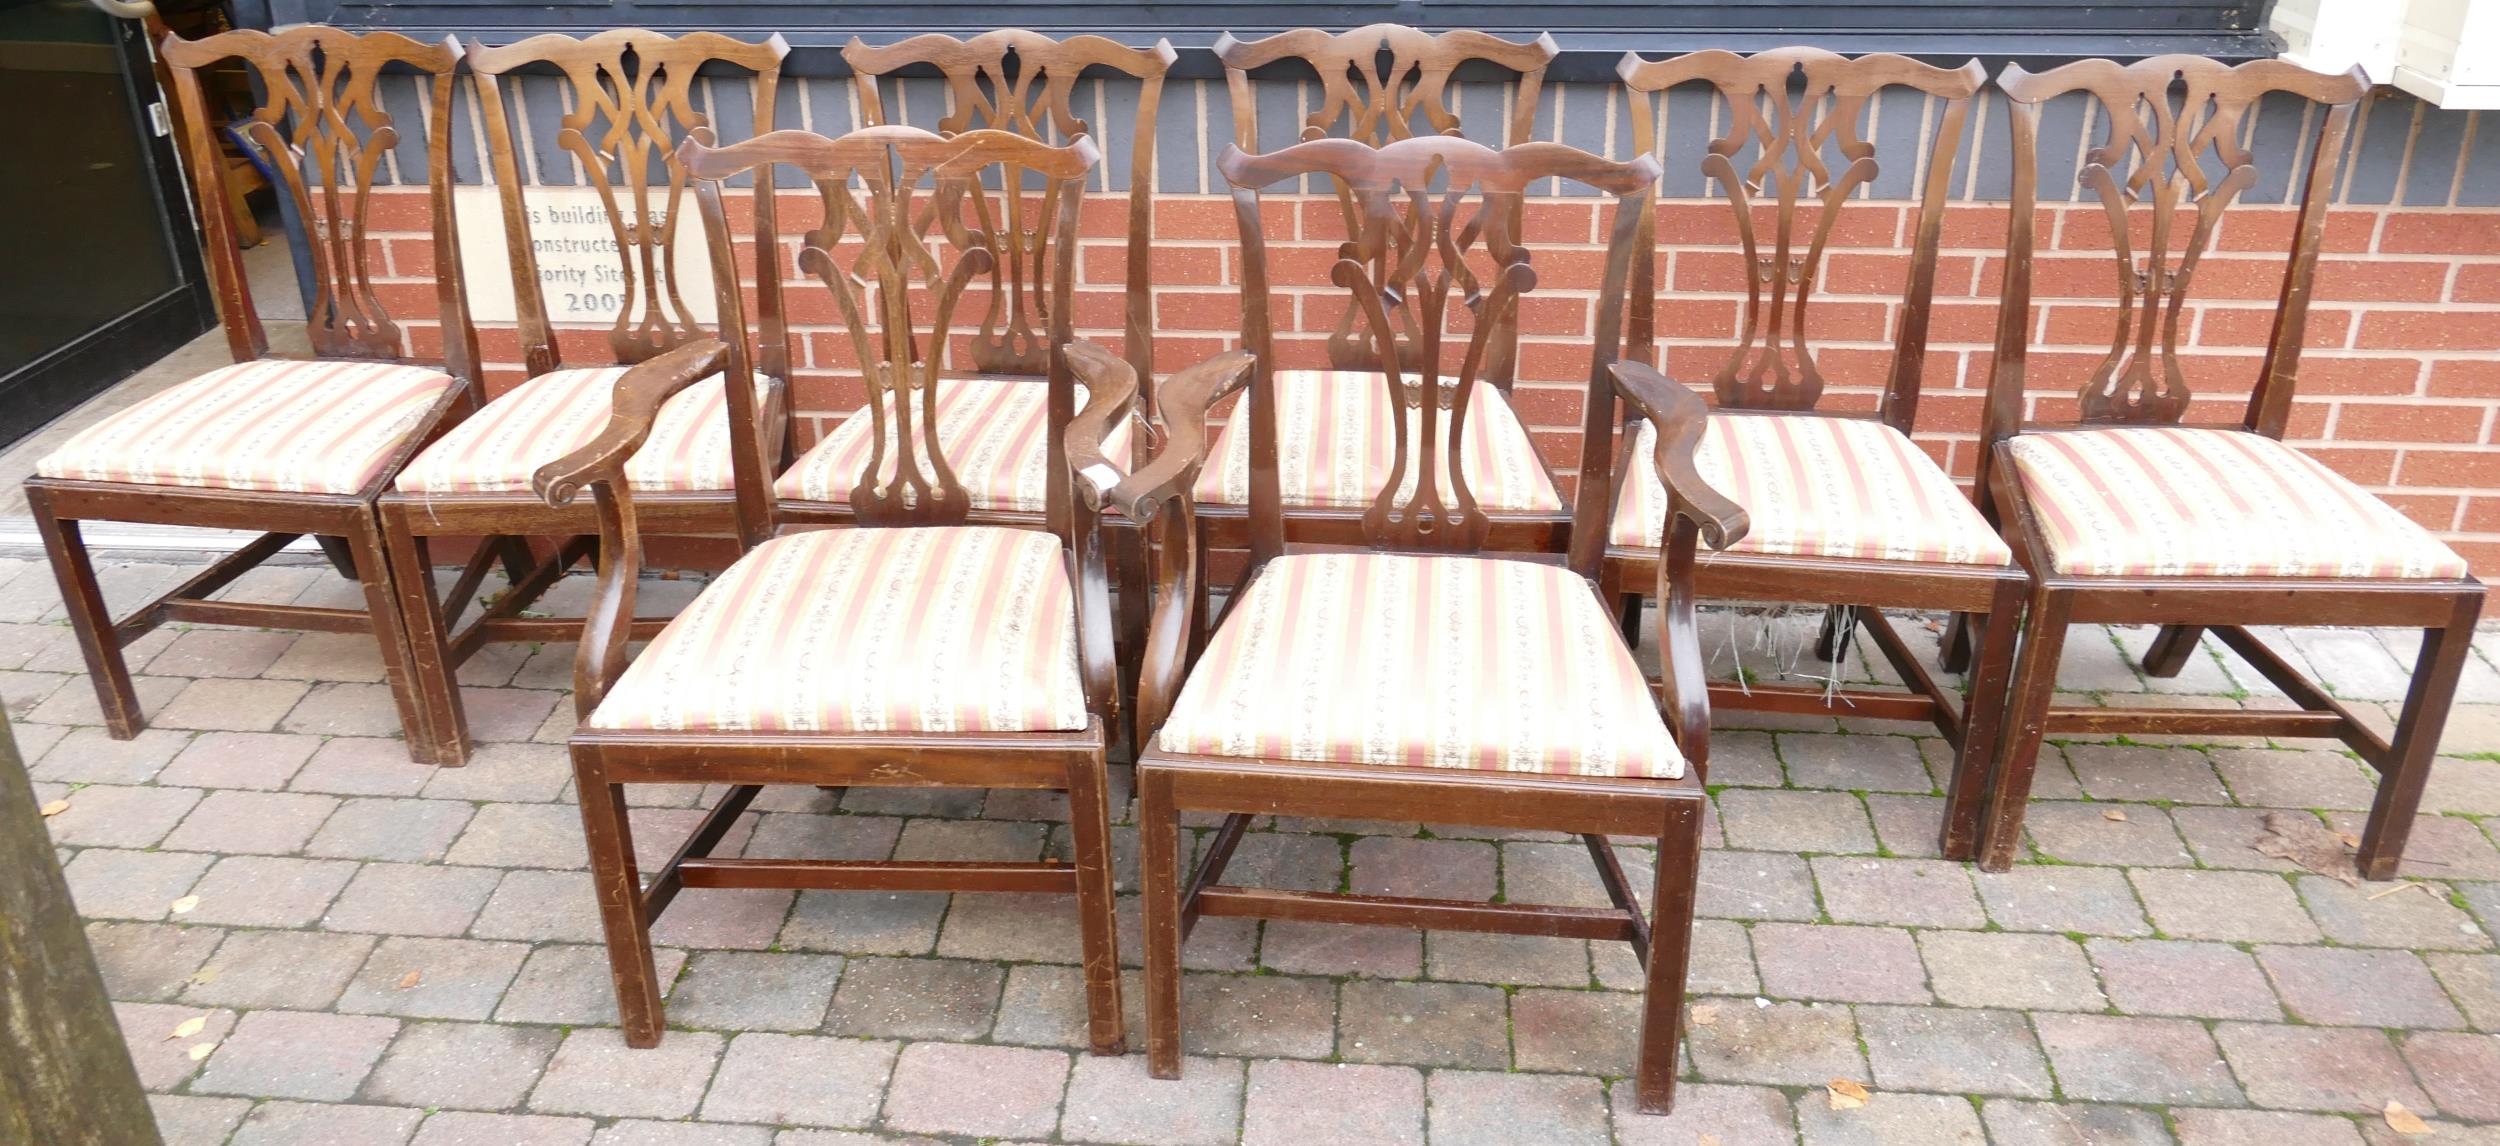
column 1181, row 421
column 639, row 395
column 1680, row 417
column 1110, row 395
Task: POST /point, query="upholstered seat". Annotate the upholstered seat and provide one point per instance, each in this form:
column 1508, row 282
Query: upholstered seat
column 326, row 427
column 2177, row 501
column 1336, row 445
column 994, row 432
column 1818, row 487
column 952, row 629
column 1444, row 662
column 498, row 448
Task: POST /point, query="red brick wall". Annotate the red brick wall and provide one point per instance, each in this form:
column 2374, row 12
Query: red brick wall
column 2398, row 386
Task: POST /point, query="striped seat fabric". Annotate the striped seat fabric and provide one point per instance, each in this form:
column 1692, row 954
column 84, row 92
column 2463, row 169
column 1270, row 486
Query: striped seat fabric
column 2178, row 501
column 1336, row 445
column 323, row 427
column 498, row 448
column 1817, row 487
column 953, row 629
column 994, row 432
column 1437, row 662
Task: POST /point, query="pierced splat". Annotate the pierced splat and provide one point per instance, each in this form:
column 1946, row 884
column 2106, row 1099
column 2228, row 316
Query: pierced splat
column 1804, row 114
column 1426, row 209
column 930, row 221
column 631, row 98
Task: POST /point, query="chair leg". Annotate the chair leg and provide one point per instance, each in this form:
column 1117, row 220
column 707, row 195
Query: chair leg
column 2418, row 725
column 1955, row 653
column 1135, row 588
column 1158, row 828
column 2171, row 649
column 1983, row 724
column 390, row 631
column 1089, row 820
column 341, row 553
column 89, row 617
column 2026, row 723
column 1670, row 951
column 430, row 667
column 618, row 884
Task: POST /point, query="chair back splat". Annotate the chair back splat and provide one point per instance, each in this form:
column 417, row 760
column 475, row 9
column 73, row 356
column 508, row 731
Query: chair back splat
column 1433, row 234
column 1804, row 116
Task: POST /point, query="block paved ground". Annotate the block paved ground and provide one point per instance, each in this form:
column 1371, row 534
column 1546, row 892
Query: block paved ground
column 381, row 953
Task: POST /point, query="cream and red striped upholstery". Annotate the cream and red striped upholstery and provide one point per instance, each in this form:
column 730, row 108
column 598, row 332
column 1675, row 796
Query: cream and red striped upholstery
column 956, row 629
column 1336, row 443
column 498, row 448
column 2177, row 501
column 1817, row 487
column 282, row 426
column 1442, row 662
column 994, row 432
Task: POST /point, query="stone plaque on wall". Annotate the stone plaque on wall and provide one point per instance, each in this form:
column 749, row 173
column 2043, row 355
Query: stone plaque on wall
column 579, row 274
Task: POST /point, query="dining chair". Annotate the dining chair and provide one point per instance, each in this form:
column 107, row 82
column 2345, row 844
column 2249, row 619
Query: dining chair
column 912, row 648
column 630, row 95
column 1848, row 512
column 2127, row 513
column 1418, row 675
column 280, row 445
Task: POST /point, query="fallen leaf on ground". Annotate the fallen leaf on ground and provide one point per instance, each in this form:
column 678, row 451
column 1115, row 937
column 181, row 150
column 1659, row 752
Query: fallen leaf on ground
column 1845, row 1094
column 202, row 1050
column 188, row 1027
column 2404, row 1121
column 1707, row 1140
column 184, row 904
column 2300, row 838
column 2351, row 840
column 2114, row 814
column 55, row 808
column 1704, row 1016
column 410, row 979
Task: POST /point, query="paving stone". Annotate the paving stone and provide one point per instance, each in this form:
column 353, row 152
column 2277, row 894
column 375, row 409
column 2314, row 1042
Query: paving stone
column 2353, row 664
column 265, row 823
column 1730, row 1114
column 220, row 652
column 1960, row 1051
column 2226, row 837
column 638, row 1133
column 1846, row 763
column 77, row 706
column 2463, row 786
column 2059, row 898
column 541, row 905
column 1906, row 825
column 2314, row 778
column 740, row 919
column 184, row 1120
column 990, row 1091
column 294, row 1054
column 1515, row 960
column 233, row 705
column 1477, row 1108
column 269, row 891
column 109, row 883
column 1570, row 1032
column 1784, row 1044
column 2345, row 987
column 411, row 899
column 1721, row 962
column 2081, row 833
column 455, row 978
column 745, row 990
column 328, row 656
column 802, row 1080
column 2198, row 980
column 569, row 985
column 914, row 998
column 2142, row 773
column 163, row 1061
column 2318, row 1068
column 595, row 1073
column 409, row 831
column 2262, row 1128
column 341, row 709
column 1455, row 869
column 1913, row 893
column 2072, row 1124
column 264, row 760
column 1850, row 964
column 1745, row 759
column 90, row 756
column 2472, row 980
column 363, row 766
column 1111, row 1100
column 2440, row 847
column 1786, row 821
column 1890, row 1119
column 1015, row 928
column 464, row 1128
column 2483, row 899
column 522, row 835
column 2025, row 972
column 1259, row 1015
column 149, row 962
column 509, row 714
column 2416, row 919
column 2462, row 1072
column 863, row 922
column 1755, row 885
column 1044, row 1005
column 1287, row 860
column 785, row 835
column 996, row 840
column 1428, row 1024
column 2227, row 905
column 103, row 815
column 1295, row 948
column 298, row 970
column 305, row 1124
column 1345, row 1104
column 463, row 1066
column 2151, row 1061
